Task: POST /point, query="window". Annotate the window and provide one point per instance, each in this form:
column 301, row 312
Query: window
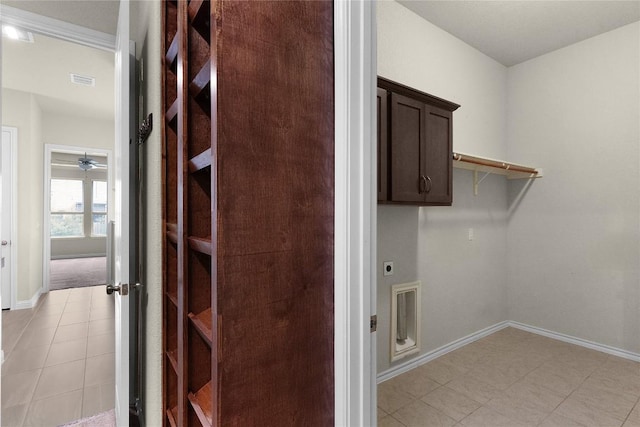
column 70, row 215
column 67, row 208
column 99, row 208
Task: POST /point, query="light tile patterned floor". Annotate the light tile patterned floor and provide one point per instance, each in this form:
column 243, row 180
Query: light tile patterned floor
column 514, row 378
column 59, row 358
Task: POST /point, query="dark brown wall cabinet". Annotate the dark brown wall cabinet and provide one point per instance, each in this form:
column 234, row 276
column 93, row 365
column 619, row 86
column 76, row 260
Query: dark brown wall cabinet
column 414, row 146
column 248, row 213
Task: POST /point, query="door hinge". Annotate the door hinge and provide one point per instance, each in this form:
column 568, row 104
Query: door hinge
column 373, row 323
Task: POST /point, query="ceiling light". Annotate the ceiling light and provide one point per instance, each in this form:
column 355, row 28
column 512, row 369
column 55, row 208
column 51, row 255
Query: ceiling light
column 10, row 32
column 17, row 34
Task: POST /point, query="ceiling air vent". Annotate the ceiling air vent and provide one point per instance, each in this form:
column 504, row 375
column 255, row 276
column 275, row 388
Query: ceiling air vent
column 82, row 80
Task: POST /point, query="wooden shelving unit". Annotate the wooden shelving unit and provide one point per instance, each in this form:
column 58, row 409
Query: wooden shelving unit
column 248, row 212
column 188, row 206
column 491, row 166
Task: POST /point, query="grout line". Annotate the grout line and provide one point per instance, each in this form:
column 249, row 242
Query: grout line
column 631, row 411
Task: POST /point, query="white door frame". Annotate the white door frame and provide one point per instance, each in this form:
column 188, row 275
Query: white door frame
column 46, row 218
column 355, row 212
column 13, row 249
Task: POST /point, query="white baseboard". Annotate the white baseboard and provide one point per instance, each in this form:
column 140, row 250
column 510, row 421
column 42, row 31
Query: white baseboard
column 427, row 357
column 577, row 341
column 74, row 256
column 30, row 303
column 440, row 351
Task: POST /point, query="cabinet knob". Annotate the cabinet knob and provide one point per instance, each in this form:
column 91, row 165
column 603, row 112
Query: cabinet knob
column 428, row 184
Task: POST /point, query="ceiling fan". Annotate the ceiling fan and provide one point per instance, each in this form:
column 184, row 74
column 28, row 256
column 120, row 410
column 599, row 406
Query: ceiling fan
column 85, row 163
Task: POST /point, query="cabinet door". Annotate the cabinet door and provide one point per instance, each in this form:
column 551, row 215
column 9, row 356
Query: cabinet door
column 437, row 156
column 383, row 170
column 407, row 156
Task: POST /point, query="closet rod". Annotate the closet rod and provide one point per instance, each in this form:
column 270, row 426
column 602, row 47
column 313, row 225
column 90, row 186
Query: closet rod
column 493, row 164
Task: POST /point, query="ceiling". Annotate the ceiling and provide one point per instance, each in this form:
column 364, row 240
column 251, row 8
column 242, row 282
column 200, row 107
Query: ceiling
column 99, row 15
column 514, row 31
column 43, row 68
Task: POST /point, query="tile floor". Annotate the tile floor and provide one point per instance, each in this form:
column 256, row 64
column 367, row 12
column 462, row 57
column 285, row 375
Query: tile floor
column 514, row 378
column 59, row 358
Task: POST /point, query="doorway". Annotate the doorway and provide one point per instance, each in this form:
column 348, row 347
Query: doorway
column 59, row 346
column 76, row 201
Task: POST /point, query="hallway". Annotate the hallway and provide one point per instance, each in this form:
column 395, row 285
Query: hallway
column 59, row 358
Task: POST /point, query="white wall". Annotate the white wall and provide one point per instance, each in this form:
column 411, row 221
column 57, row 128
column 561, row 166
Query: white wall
column 21, row 110
column 145, row 30
column 77, row 131
column 36, row 128
column 463, row 282
column 574, row 239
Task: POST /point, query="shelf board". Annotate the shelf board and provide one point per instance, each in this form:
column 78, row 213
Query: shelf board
column 200, row 244
column 173, row 298
column 172, row 112
column 202, row 402
column 172, row 52
column 194, row 8
column 199, row 14
column 201, row 80
column 484, row 164
column 172, row 356
column 201, row 161
column 172, row 233
column 202, row 322
column 172, row 415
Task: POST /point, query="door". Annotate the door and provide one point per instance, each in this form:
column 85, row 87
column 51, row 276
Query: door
column 408, row 139
column 121, row 262
column 438, row 154
column 6, row 206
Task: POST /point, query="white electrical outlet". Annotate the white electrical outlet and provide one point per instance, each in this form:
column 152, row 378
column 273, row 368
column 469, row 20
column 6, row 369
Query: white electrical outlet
column 471, row 234
column 387, row 268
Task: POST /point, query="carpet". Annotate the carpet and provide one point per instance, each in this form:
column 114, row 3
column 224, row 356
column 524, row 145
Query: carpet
column 77, row 272
column 104, row 419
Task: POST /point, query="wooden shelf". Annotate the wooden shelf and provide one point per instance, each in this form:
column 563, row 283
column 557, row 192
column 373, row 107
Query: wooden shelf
column 202, row 403
column 172, row 233
column 172, row 356
column 484, row 164
column 173, row 298
column 199, row 15
column 201, row 80
column 202, row 322
column 201, row 161
column 200, row 244
column 172, row 52
column 172, row 113
column 491, row 166
column 194, row 8
column 172, row 415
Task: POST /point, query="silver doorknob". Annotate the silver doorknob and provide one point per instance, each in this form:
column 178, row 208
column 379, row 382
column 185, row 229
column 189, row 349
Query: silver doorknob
column 5, row 243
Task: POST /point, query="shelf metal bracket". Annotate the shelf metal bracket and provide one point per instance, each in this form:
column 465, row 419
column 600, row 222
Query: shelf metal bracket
column 477, row 182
